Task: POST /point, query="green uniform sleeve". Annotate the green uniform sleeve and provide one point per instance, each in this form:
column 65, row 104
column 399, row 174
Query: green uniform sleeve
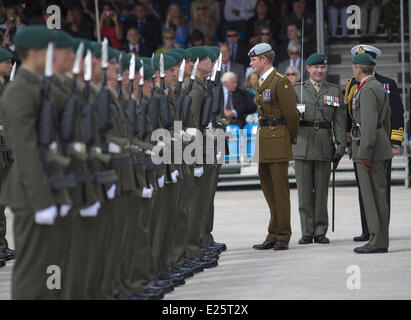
column 369, row 118
column 20, row 118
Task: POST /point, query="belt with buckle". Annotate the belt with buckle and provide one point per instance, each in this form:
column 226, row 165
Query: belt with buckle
column 271, row 122
column 62, row 182
column 316, row 124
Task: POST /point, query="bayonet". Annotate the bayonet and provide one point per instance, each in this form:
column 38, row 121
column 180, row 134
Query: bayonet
column 131, row 73
column 13, row 72
column 162, row 75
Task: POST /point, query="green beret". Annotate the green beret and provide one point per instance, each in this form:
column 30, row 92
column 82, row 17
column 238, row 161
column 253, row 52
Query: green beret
column 363, row 59
column 316, row 58
column 87, row 45
column 199, row 53
column 96, row 48
column 63, row 39
column 181, row 52
column 214, row 52
column 34, row 37
column 146, row 60
column 148, row 71
column 5, row 55
column 169, row 62
column 175, row 55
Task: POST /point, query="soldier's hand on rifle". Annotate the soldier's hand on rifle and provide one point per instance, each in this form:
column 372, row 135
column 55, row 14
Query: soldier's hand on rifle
column 336, row 159
column 367, row 163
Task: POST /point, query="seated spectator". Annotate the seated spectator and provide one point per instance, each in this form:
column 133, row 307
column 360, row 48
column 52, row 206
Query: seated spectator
column 370, row 18
column 214, row 7
column 299, row 11
column 201, row 20
column 169, row 41
column 76, row 25
column 237, row 12
column 228, row 65
column 148, row 27
column 11, row 25
column 175, row 19
column 152, row 9
column 292, row 74
column 261, row 19
column 265, row 36
column 251, row 82
column 338, row 8
column 197, row 39
column 133, row 44
column 238, row 103
column 294, row 59
column 238, row 48
column 293, row 33
column 110, row 27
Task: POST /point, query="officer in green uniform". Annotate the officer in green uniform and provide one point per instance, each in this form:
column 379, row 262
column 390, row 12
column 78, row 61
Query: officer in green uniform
column 321, row 140
column 30, row 188
column 278, row 128
column 371, row 151
column 397, row 123
column 6, row 253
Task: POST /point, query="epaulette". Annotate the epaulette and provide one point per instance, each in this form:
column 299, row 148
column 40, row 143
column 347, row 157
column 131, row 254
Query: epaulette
column 280, row 75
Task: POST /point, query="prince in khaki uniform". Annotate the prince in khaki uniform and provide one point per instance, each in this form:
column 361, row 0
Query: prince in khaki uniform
column 278, row 128
column 321, row 140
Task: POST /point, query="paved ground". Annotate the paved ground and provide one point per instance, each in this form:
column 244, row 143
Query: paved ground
column 303, row 272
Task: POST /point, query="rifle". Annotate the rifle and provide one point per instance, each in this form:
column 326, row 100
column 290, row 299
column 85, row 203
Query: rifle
column 104, row 98
column 130, row 106
column 46, row 132
column 179, row 99
column 120, row 77
column 87, row 119
column 142, row 108
column 69, row 111
column 208, row 102
column 187, row 99
column 164, row 110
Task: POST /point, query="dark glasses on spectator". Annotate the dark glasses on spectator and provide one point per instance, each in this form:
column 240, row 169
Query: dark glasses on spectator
column 201, row 8
column 264, row 34
column 294, row 52
column 232, row 35
column 291, row 74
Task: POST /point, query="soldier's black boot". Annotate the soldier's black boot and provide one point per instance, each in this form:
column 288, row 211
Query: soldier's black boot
column 7, row 254
column 2, row 263
column 362, row 237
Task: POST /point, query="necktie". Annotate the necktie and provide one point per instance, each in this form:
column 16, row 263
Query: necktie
column 260, row 81
column 228, row 104
column 317, row 87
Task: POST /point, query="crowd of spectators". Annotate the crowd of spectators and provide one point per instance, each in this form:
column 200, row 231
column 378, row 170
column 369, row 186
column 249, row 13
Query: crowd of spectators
column 146, row 26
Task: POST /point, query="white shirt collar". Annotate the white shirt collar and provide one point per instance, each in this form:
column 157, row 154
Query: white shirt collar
column 266, row 74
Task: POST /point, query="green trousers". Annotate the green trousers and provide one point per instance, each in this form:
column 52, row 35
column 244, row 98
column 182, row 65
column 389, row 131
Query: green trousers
column 373, row 186
column 180, row 225
column 38, row 248
column 312, row 184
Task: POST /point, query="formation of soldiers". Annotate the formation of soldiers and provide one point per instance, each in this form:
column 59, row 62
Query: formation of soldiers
column 86, row 195
column 77, row 135
column 326, row 124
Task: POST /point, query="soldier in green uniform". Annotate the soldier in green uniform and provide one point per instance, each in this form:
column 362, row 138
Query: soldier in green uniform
column 321, row 140
column 30, row 188
column 278, row 128
column 371, row 151
column 397, row 123
column 201, row 172
column 6, row 253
